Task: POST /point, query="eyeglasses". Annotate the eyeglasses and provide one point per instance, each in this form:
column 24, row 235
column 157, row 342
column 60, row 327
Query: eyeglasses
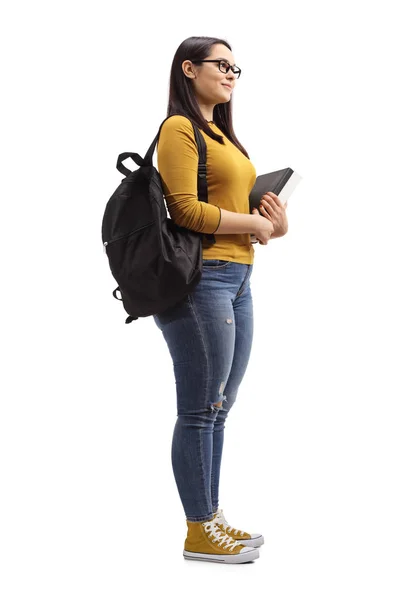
column 223, row 65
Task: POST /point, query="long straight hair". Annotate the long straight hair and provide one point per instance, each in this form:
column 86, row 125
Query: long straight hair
column 182, row 98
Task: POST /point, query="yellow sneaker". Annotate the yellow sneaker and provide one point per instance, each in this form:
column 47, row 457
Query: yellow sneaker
column 206, row 541
column 248, row 539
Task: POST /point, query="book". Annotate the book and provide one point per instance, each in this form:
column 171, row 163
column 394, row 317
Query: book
column 281, row 182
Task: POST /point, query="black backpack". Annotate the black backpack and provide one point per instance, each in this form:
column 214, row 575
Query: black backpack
column 155, row 262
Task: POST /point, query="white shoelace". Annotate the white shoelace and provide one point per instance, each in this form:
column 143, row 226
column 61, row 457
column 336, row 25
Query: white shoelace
column 220, row 518
column 212, row 528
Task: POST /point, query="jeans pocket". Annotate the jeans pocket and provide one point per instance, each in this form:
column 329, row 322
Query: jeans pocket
column 215, row 263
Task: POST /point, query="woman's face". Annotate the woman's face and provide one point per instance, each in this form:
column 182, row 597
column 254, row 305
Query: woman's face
column 208, row 80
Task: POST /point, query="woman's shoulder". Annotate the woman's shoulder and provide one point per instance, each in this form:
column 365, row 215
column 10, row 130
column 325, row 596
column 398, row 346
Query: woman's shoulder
column 177, row 122
column 176, row 129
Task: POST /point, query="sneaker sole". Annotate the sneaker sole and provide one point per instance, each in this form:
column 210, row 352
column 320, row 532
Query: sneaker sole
column 223, row 558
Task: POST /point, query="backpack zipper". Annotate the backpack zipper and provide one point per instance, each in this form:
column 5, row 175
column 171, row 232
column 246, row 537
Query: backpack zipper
column 116, row 240
column 125, row 235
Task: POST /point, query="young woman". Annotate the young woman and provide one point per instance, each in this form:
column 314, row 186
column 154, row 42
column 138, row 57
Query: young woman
column 209, row 334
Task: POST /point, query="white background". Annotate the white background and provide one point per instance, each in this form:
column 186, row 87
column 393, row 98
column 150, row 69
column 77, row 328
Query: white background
column 89, row 506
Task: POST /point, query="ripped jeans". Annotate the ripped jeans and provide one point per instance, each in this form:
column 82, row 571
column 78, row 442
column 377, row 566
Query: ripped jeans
column 209, row 335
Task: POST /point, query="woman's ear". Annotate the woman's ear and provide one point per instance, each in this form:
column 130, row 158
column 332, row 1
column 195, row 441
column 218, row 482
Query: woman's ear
column 188, row 69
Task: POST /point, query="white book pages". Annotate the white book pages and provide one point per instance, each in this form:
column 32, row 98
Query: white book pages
column 290, row 185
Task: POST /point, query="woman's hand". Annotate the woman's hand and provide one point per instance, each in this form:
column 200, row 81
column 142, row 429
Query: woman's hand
column 263, row 228
column 272, row 208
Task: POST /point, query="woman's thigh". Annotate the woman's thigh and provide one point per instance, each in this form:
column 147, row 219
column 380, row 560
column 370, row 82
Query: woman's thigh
column 243, row 314
column 201, row 334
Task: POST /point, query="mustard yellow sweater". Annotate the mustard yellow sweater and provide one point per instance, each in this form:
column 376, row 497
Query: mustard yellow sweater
column 230, row 178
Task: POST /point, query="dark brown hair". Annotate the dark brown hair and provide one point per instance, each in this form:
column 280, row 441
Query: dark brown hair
column 182, row 98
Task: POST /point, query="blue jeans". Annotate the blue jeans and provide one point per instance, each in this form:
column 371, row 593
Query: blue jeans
column 209, row 335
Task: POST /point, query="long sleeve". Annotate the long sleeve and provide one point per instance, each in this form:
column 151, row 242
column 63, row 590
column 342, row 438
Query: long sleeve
column 177, row 158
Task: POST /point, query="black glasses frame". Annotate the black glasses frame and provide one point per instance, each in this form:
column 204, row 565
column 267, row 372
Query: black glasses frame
column 237, row 72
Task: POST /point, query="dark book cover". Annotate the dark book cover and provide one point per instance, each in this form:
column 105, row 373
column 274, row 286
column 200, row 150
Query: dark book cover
column 281, row 183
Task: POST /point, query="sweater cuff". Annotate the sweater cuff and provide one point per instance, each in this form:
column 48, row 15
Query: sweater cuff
column 219, row 219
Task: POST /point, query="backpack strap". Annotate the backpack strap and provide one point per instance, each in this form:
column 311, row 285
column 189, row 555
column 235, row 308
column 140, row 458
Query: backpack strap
column 202, row 176
column 128, row 319
column 201, row 173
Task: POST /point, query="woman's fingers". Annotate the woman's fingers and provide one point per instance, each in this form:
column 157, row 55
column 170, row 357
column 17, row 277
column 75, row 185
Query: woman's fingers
column 264, row 206
column 274, row 200
column 269, row 204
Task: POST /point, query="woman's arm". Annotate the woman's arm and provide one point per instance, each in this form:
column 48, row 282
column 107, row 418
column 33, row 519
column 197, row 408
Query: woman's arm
column 232, row 222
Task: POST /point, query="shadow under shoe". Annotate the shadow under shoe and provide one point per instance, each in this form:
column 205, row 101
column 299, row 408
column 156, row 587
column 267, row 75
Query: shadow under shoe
column 254, row 540
column 206, row 541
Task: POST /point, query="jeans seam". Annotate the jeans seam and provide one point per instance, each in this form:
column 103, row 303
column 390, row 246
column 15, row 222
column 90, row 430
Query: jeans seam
column 192, row 305
column 223, row 266
column 242, row 287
